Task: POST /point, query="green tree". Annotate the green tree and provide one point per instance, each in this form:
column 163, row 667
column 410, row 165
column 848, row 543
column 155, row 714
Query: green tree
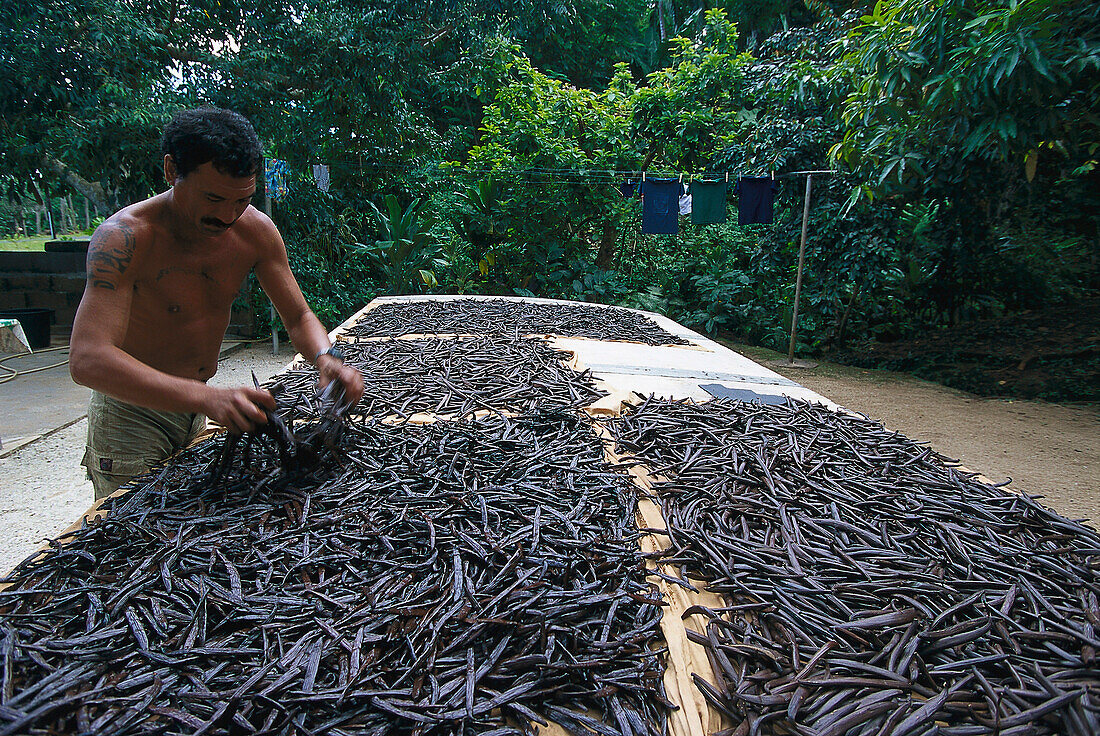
column 539, row 138
column 687, row 111
column 81, row 97
column 946, row 92
column 957, row 101
column 86, row 85
column 579, row 41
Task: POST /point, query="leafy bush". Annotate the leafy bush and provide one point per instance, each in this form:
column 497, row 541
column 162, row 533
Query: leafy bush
column 407, row 254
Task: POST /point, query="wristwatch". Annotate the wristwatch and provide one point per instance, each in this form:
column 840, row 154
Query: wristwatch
column 333, row 351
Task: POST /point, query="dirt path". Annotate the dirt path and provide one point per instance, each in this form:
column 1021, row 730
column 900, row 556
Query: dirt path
column 1050, row 450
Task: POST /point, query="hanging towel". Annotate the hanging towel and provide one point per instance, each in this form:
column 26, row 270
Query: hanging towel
column 275, row 176
column 627, row 188
column 755, row 196
column 708, row 202
column 321, row 176
column 660, row 206
column 685, row 204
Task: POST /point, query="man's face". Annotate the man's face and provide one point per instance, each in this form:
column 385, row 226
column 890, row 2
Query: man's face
column 210, row 200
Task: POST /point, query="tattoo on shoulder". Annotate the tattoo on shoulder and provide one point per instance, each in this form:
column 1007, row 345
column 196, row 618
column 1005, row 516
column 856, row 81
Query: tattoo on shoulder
column 109, row 254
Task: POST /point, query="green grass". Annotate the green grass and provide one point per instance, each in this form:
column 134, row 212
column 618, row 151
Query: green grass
column 37, row 243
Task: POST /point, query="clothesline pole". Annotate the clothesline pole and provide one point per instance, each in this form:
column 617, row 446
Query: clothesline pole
column 274, row 328
column 801, row 260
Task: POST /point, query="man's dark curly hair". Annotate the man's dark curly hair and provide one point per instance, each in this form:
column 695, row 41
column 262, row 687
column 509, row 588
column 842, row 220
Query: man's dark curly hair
column 223, row 137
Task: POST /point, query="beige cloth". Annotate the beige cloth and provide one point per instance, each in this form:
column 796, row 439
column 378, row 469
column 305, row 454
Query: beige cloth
column 125, row 441
column 12, row 337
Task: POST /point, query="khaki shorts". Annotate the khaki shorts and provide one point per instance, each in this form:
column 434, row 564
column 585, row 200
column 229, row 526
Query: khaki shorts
column 125, row 441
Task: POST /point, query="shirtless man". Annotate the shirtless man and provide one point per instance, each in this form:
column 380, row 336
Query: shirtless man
column 162, row 277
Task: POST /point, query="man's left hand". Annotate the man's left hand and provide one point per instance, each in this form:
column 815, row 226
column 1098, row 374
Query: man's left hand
column 331, row 369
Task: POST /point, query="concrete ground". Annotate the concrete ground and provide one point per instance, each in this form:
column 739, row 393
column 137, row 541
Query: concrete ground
column 43, row 424
column 35, row 404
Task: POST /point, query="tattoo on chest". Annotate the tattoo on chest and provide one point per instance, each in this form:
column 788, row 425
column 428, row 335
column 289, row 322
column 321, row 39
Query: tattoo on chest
column 109, row 255
column 177, row 270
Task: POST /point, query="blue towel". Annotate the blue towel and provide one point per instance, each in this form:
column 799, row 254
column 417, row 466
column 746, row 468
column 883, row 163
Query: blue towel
column 660, row 206
column 275, row 178
column 755, row 197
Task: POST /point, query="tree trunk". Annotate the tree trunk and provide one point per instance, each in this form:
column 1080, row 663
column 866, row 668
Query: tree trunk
column 608, row 239
column 847, row 311
column 92, row 190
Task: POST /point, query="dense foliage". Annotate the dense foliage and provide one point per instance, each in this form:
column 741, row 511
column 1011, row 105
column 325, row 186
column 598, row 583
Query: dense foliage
column 478, row 146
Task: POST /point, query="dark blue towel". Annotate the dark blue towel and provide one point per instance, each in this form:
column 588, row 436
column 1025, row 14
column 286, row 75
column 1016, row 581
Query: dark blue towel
column 755, row 196
column 627, row 188
column 660, row 206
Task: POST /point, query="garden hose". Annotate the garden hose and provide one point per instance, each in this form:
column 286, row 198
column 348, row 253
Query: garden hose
column 12, row 373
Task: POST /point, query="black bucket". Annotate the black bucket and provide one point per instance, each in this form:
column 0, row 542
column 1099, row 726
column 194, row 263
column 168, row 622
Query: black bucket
column 36, row 324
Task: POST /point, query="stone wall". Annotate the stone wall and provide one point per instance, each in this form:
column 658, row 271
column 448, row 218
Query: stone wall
column 43, row 280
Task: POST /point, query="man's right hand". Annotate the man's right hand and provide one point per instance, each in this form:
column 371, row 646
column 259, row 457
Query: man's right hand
column 238, row 409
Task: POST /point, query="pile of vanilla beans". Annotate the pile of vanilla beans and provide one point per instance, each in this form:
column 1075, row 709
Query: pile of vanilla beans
column 365, row 573
column 455, row 377
column 870, row 587
column 510, row 318
column 456, row 577
column 469, row 577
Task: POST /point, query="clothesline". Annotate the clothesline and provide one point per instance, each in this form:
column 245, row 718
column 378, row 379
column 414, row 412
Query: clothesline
column 565, row 174
column 610, row 174
column 664, row 195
